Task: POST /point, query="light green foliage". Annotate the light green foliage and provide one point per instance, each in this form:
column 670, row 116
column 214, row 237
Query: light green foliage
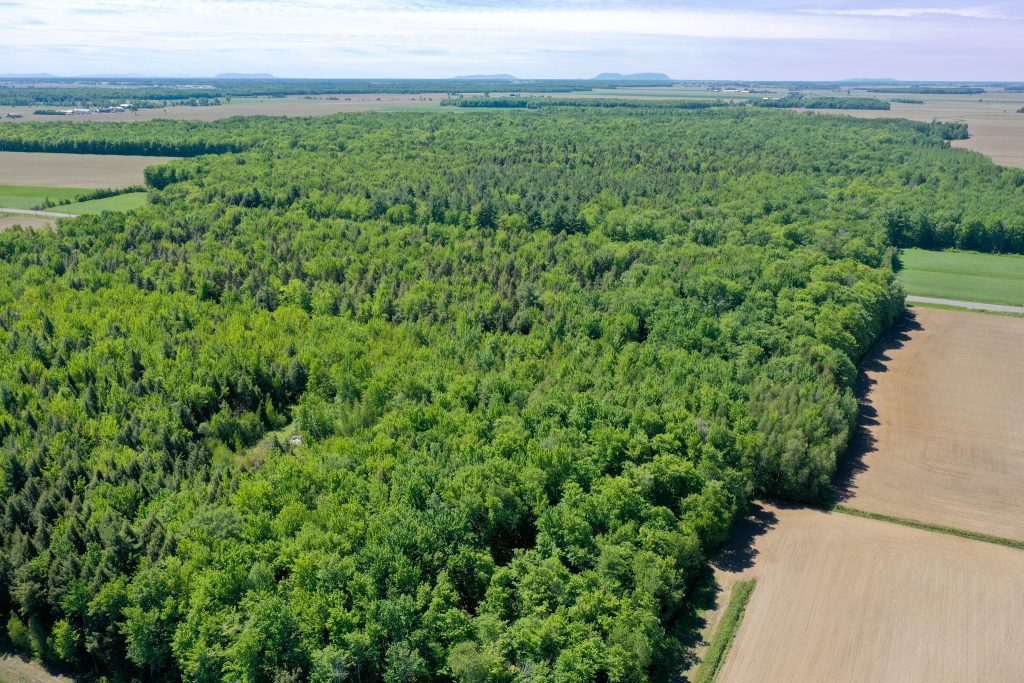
column 964, row 276
column 64, row 641
column 19, row 634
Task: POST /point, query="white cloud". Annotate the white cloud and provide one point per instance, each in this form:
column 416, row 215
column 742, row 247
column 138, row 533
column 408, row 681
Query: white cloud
column 910, row 12
column 438, row 37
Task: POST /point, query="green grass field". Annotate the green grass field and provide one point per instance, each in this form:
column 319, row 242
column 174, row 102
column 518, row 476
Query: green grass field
column 964, row 276
column 121, row 202
column 26, row 197
column 725, row 634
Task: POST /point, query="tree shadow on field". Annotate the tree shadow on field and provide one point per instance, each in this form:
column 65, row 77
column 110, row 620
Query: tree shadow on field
column 862, row 441
column 707, row 596
column 687, row 633
column 739, row 553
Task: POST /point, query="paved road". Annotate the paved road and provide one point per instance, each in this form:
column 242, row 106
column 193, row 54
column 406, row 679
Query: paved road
column 973, row 305
column 44, row 214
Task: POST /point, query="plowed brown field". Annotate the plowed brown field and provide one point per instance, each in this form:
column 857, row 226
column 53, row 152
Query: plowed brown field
column 73, row 170
column 842, row 598
column 9, row 221
column 941, row 434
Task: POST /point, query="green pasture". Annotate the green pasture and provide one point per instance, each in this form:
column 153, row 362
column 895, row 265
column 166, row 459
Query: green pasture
column 27, row 197
column 121, row 202
column 964, row 276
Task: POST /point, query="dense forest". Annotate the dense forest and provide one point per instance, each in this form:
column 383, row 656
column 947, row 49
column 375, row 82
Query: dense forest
column 794, row 102
column 928, row 90
column 441, row 397
column 599, row 102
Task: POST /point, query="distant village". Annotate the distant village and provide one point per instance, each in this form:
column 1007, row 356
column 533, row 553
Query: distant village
column 127, row 106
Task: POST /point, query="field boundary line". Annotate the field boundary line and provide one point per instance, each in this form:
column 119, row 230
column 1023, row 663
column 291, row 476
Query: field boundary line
column 721, row 643
column 925, row 526
column 965, row 305
column 943, row 307
column 34, row 212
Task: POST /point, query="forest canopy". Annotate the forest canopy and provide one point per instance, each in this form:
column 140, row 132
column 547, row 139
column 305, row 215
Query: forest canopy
column 441, row 397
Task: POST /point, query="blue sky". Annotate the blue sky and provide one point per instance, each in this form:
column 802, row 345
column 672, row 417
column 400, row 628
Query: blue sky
column 699, row 39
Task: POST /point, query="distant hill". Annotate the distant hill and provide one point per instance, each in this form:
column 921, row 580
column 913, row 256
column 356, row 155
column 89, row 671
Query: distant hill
column 871, row 81
column 245, row 76
column 631, row 77
column 486, row 77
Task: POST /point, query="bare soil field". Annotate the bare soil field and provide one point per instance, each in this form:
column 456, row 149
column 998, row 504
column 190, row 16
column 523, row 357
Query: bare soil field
column 841, row 598
column 997, row 129
column 10, row 220
column 73, row 170
column 297, row 105
column 940, row 437
column 17, row 670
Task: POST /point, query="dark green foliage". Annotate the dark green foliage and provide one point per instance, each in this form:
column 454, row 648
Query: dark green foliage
column 535, row 364
column 600, row 103
column 946, row 130
column 156, row 138
column 928, row 90
column 792, row 102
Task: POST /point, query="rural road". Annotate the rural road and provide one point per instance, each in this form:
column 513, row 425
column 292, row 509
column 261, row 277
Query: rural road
column 44, row 214
column 973, row 305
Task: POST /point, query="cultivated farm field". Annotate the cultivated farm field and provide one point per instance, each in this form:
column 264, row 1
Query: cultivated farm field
column 73, row 170
column 940, row 438
column 841, row 598
column 965, row 276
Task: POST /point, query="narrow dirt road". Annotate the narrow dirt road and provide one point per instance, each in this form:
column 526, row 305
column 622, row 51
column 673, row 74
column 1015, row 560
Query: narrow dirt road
column 44, row 214
column 972, row 305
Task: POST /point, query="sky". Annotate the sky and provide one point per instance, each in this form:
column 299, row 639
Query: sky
column 686, row 39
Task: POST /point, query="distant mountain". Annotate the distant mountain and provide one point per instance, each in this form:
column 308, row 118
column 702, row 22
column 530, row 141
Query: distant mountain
column 239, row 76
column 631, row 77
column 486, row 77
column 871, row 81
column 27, row 76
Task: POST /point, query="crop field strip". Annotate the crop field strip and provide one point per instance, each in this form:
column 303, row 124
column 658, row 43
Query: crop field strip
column 84, row 171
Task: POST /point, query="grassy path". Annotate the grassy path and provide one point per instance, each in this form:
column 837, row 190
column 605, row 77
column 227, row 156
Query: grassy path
column 725, row 634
